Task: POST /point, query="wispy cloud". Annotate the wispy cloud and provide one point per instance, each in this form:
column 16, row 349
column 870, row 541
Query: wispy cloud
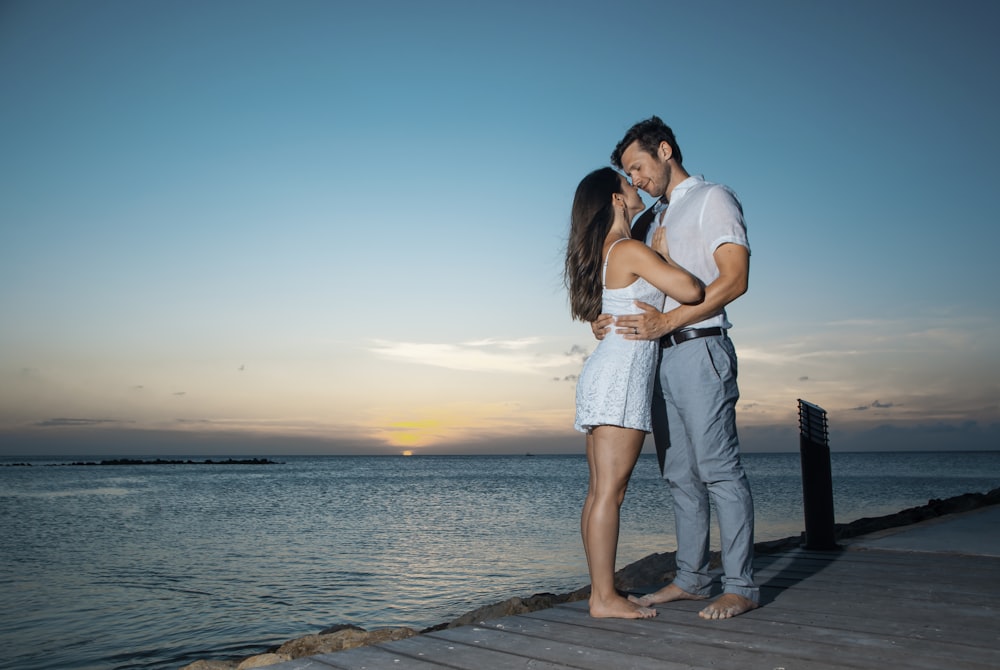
column 490, row 355
column 62, row 422
column 514, row 345
column 877, row 404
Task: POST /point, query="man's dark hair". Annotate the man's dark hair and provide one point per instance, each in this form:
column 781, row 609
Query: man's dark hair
column 648, row 134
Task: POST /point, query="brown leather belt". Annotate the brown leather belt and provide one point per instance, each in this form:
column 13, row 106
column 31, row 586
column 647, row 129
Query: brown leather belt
column 686, row 334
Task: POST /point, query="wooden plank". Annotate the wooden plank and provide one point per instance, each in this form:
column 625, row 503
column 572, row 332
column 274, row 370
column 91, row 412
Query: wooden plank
column 912, row 588
column 886, row 561
column 940, row 623
column 838, row 559
column 846, row 600
column 307, row 663
column 926, row 590
column 456, row 654
column 955, row 577
column 857, row 633
column 505, row 639
column 941, row 613
column 955, row 580
column 368, row 658
column 779, row 642
column 683, row 644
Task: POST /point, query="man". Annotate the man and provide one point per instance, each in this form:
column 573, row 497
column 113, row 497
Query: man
column 695, row 424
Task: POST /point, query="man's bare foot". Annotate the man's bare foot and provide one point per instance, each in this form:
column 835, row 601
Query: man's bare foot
column 727, row 606
column 619, row 608
column 667, row 594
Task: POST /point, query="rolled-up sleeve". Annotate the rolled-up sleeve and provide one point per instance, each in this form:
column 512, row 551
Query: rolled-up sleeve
column 722, row 219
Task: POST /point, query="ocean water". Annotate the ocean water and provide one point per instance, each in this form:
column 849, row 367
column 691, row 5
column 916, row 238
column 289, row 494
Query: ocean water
column 155, row 566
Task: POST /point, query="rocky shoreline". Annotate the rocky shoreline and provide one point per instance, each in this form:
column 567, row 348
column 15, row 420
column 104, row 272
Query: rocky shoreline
column 655, row 569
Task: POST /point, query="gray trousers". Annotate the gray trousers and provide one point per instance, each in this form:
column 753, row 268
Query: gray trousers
column 696, row 441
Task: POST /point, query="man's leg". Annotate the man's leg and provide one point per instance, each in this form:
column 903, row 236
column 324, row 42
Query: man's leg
column 701, row 393
column 695, row 560
column 720, row 466
column 691, row 507
column 692, row 514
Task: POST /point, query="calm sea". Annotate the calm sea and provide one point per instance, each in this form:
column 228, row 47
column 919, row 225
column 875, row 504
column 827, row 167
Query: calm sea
column 155, row 566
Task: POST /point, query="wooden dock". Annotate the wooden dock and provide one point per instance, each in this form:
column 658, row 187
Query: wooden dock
column 867, row 609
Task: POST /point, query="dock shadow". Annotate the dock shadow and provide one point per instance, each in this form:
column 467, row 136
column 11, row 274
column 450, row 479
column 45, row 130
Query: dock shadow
column 792, row 562
column 784, row 569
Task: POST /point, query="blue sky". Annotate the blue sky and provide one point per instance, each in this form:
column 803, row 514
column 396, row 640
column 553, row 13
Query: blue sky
column 332, row 227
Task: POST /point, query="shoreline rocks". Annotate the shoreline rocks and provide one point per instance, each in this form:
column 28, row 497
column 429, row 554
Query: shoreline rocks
column 657, row 568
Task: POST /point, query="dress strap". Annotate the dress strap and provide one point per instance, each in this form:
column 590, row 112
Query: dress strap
column 604, row 271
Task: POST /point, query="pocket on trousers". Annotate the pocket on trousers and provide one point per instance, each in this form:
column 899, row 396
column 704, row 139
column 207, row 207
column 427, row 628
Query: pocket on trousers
column 722, row 358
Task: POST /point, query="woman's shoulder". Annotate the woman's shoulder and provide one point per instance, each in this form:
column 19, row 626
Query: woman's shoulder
column 633, row 248
column 625, row 250
column 623, row 246
column 627, row 255
column 632, row 245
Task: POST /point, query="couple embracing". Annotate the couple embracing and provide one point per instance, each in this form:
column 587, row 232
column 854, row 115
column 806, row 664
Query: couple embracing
column 655, row 293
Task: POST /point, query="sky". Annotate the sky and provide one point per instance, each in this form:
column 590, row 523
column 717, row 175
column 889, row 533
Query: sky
column 246, row 227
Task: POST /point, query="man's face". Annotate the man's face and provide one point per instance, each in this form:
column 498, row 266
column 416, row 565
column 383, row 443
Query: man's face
column 650, row 173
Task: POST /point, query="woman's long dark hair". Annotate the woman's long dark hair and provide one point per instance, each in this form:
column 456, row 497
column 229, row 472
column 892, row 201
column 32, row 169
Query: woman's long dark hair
column 590, row 222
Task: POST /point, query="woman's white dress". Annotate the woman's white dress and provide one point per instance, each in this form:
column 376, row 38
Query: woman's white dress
column 615, row 387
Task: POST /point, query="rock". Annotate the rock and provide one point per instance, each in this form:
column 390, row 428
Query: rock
column 211, row 665
column 934, row 508
column 262, row 661
column 653, row 569
column 508, row 607
column 346, row 637
column 339, row 627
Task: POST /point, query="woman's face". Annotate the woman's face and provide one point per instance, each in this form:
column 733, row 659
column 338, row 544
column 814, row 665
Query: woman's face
column 633, row 201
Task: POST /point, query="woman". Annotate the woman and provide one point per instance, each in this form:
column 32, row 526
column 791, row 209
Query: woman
column 606, row 272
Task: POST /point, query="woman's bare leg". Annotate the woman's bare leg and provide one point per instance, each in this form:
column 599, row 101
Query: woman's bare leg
column 588, row 503
column 611, row 455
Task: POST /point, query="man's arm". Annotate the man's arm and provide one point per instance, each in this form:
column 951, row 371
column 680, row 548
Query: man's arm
column 733, row 261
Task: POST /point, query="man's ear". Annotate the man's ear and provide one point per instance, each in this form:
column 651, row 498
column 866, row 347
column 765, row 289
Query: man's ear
column 664, row 151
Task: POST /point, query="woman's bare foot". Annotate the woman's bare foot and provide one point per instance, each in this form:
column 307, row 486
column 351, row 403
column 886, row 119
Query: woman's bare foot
column 667, row 594
column 727, row 606
column 619, row 608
